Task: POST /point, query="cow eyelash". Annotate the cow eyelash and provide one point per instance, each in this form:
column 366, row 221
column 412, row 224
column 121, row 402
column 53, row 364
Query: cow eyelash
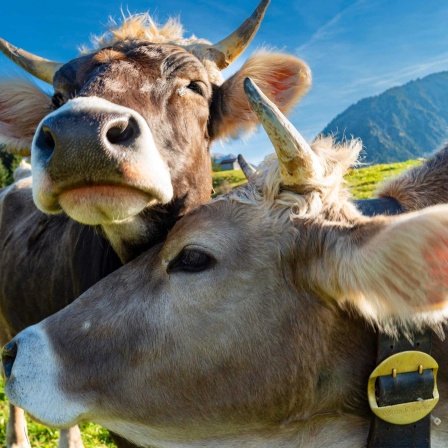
column 190, row 260
column 57, row 100
column 195, row 86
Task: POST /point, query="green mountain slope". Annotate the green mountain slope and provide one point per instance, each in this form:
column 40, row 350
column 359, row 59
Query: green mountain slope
column 402, row 123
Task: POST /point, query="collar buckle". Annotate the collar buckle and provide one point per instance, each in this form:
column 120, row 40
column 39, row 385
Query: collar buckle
column 394, row 366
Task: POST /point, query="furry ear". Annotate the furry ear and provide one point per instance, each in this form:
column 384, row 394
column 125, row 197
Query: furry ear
column 393, row 267
column 282, row 77
column 22, row 106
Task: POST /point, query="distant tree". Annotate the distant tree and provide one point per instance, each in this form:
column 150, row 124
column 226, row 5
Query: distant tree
column 215, row 165
column 9, row 162
column 3, row 175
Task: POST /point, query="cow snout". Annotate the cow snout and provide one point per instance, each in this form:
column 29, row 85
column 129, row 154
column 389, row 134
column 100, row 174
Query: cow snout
column 81, row 136
column 33, row 379
column 98, row 162
column 9, row 354
column 117, row 131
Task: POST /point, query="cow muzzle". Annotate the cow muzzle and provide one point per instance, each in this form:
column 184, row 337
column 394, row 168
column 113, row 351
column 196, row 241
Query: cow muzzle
column 32, row 380
column 98, row 162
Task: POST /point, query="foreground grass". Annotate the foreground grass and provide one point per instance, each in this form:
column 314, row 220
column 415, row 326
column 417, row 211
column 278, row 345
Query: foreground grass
column 363, row 183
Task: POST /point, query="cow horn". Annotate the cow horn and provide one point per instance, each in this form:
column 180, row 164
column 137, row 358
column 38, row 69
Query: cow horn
column 232, row 46
column 41, row 68
column 297, row 161
column 246, row 167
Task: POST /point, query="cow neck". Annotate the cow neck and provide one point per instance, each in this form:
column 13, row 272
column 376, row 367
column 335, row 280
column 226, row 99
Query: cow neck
column 379, row 206
column 404, row 388
column 132, row 237
column 123, row 238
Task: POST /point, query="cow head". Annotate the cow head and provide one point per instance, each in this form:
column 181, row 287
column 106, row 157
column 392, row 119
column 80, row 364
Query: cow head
column 236, row 330
column 123, row 143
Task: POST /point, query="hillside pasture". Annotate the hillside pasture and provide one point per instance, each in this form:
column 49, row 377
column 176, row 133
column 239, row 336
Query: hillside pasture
column 363, row 181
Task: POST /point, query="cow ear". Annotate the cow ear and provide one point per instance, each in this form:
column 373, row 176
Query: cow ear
column 393, row 267
column 282, row 77
column 22, row 106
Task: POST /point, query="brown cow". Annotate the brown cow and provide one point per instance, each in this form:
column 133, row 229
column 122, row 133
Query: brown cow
column 129, row 125
column 252, row 325
column 123, row 146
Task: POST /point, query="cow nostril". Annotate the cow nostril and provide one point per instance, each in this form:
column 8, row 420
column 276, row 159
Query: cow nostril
column 122, row 132
column 9, row 354
column 49, row 139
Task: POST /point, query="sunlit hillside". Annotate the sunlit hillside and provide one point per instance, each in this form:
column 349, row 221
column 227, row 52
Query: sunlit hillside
column 404, row 122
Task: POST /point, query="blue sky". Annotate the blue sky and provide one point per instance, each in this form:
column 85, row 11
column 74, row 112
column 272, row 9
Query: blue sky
column 356, row 48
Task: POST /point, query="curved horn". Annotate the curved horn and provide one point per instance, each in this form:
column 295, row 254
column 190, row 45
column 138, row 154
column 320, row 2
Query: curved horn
column 232, row 46
column 246, row 167
column 297, row 161
column 41, row 68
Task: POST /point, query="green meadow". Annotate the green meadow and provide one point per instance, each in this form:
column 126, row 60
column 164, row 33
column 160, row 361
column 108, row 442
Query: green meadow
column 363, row 182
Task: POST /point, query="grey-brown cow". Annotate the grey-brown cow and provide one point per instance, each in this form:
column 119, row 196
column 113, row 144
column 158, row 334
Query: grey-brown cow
column 122, row 146
column 252, row 325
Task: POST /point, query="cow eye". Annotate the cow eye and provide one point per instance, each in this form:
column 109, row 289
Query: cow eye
column 197, row 87
column 191, row 260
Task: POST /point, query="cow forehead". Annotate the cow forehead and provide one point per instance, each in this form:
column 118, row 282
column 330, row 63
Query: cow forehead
column 199, row 228
column 146, row 59
column 226, row 230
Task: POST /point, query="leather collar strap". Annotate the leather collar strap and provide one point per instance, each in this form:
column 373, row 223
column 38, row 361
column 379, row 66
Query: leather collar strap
column 404, row 388
column 379, row 206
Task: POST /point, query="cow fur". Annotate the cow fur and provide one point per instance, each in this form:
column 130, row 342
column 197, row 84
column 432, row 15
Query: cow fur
column 421, row 186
